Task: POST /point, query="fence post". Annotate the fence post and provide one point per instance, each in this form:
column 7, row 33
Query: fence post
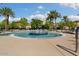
column 76, row 36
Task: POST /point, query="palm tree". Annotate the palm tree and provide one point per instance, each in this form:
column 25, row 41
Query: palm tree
column 53, row 15
column 6, row 12
column 50, row 20
column 65, row 18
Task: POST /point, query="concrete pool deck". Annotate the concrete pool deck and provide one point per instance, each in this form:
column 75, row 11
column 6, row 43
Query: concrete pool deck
column 62, row 46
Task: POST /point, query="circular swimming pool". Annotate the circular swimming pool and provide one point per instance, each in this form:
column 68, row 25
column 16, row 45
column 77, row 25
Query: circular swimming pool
column 27, row 35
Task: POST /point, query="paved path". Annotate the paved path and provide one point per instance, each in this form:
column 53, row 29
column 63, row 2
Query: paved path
column 50, row 47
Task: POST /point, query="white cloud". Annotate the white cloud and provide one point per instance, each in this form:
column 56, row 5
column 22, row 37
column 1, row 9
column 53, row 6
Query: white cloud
column 72, row 5
column 14, row 19
column 38, row 16
column 40, row 7
column 11, row 19
column 73, row 18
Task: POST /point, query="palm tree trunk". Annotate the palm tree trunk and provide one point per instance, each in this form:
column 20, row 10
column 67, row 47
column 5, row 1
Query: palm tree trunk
column 7, row 23
column 55, row 24
column 50, row 28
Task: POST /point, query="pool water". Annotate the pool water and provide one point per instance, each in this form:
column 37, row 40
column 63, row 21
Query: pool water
column 26, row 35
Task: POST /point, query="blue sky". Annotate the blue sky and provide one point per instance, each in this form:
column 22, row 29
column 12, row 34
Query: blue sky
column 28, row 9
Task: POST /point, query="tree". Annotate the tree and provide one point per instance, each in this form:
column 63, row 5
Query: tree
column 23, row 22
column 65, row 19
column 6, row 12
column 13, row 25
column 53, row 15
column 36, row 24
column 46, row 25
column 61, row 25
column 3, row 23
column 71, row 25
column 0, row 24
